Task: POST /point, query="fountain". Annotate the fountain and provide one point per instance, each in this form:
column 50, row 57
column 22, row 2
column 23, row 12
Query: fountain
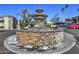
column 39, row 39
column 39, row 18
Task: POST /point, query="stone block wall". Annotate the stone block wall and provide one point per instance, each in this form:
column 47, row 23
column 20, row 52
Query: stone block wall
column 38, row 38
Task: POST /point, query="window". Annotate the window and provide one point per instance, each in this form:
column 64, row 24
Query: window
column 1, row 21
column 1, row 26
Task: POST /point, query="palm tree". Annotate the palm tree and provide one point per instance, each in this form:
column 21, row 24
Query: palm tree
column 55, row 19
column 23, row 23
column 24, row 13
column 62, row 10
column 78, row 10
column 66, row 6
column 78, row 13
column 26, row 18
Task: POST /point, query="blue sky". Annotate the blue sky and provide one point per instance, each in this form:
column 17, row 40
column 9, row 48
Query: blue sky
column 49, row 9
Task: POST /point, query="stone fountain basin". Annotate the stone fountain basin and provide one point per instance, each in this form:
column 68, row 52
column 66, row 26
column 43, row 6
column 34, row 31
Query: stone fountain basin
column 39, row 37
column 65, row 45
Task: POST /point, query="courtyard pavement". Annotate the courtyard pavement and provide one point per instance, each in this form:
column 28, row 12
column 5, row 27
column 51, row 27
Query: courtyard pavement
column 75, row 49
column 3, row 35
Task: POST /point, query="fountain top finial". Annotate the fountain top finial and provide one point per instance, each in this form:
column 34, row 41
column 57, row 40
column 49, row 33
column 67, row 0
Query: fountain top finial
column 39, row 10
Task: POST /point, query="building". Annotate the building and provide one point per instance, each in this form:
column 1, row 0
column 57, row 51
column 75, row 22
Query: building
column 72, row 20
column 8, row 22
column 1, row 23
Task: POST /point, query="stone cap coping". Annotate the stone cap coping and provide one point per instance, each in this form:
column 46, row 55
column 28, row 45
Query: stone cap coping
column 39, row 31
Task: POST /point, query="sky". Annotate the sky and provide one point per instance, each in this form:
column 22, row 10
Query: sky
column 49, row 9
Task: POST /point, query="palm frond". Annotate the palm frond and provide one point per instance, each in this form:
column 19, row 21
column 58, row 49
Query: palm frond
column 78, row 9
column 62, row 9
column 67, row 5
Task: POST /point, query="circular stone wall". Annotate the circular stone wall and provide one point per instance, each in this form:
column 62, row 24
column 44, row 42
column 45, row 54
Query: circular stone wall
column 38, row 38
column 65, row 45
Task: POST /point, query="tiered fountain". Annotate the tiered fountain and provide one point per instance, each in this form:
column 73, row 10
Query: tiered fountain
column 43, row 38
column 40, row 18
column 39, row 39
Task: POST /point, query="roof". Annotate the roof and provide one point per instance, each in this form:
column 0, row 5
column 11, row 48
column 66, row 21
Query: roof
column 8, row 16
column 75, row 17
column 60, row 22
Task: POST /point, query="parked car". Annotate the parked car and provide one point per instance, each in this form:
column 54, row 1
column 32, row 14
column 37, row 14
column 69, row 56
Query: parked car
column 62, row 25
column 73, row 26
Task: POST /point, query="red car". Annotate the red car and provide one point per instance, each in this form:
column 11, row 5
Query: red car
column 73, row 26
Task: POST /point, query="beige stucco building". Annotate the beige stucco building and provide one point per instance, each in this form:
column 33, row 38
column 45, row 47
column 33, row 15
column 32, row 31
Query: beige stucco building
column 8, row 23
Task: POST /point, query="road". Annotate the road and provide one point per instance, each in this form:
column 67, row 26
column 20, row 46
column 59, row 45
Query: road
column 4, row 34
